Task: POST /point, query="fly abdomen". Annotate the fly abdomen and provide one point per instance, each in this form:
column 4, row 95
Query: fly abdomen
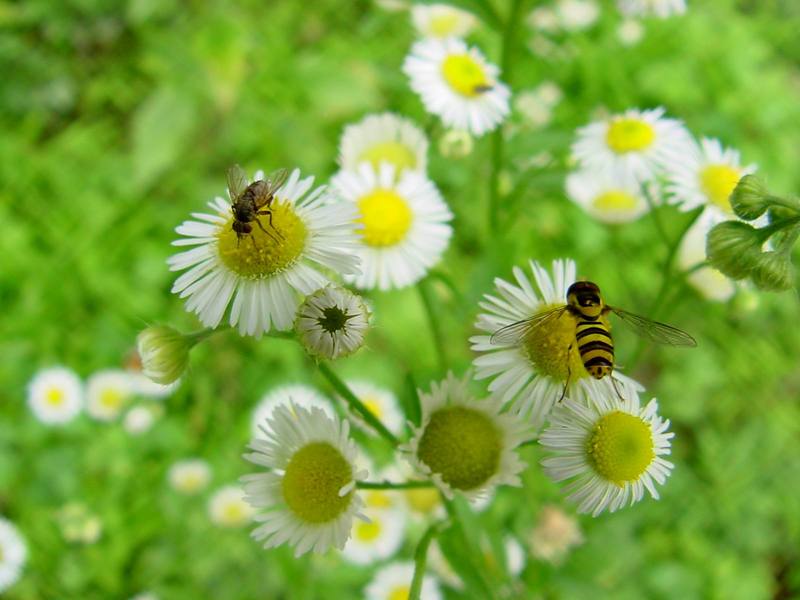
column 595, row 347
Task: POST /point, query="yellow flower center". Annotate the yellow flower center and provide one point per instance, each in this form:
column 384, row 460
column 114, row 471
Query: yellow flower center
column 111, row 398
column 444, row 24
column 54, row 397
column 386, row 218
column 718, row 182
column 629, row 135
column 461, row 444
column 367, row 532
column 620, row 447
column 190, row 482
column 423, row 500
column 312, row 481
column 233, row 513
column 377, row 499
column 465, row 75
column 552, row 350
column 615, row 201
column 395, row 153
column 373, row 405
column 258, row 254
column 400, row 592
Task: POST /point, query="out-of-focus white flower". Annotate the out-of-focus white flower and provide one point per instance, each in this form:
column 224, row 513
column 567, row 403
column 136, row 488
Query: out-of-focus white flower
column 227, row 507
column 138, row 420
column 55, row 396
column 381, row 138
column 189, row 476
column 107, row 394
column 393, row 582
column 441, row 21
column 630, row 32
column 554, row 535
column 13, row 554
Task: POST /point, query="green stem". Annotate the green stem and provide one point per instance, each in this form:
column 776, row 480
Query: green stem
column 421, row 557
column 391, row 485
column 473, row 552
column 356, row 404
column 656, row 218
column 426, row 295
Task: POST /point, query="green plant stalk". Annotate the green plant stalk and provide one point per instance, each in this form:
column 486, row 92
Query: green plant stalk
column 426, row 296
column 391, row 485
column 421, row 557
column 474, row 553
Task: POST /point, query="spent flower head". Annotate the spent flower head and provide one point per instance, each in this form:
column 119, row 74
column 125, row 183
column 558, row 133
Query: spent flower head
column 332, row 323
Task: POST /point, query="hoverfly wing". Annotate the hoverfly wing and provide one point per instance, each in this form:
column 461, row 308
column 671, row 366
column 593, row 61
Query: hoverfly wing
column 237, row 182
column 513, row 333
column 660, row 333
column 276, row 179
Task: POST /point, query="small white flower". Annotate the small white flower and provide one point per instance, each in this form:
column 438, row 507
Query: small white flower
column 466, row 444
column 576, row 15
column 227, row 507
column 393, row 582
column 537, row 104
column 144, row 596
column 554, row 535
column 263, row 275
column 405, row 225
column 543, row 18
column 515, row 555
column 78, row 524
column 630, row 32
column 308, row 490
column 147, row 388
column 441, row 21
column 376, row 539
column 380, row 402
column 13, row 554
column 332, row 322
column 610, row 447
column 384, row 137
column 637, row 144
column 708, row 281
column 657, row 8
column 457, row 84
column 607, row 196
column 107, row 393
column 293, row 394
column 138, row 420
column 189, row 476
column 55, row 396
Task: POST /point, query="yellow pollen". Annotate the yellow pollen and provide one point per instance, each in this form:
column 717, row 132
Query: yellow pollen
column 377, row 499
column 620, row 447
column 312, row 481
column 399, row 593
column 54, row 397
column 367, row 532
column 718, row 182
column 386, row 218
column 463, row 445
column 548, row 348
column 373, row 405
column 423, row 500
column 257, row 254
column 443, row 25
column 615, row 200
column 395, row 153
column 627, row 134
column 465, row 75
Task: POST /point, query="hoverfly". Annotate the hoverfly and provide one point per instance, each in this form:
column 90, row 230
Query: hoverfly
column 592, row 335
column 250, row 201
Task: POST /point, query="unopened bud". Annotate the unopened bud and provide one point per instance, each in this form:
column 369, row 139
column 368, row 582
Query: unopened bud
column 164, row 352
column 455, row 143
column 734, row 248
column 750, row 198
column 773, row 272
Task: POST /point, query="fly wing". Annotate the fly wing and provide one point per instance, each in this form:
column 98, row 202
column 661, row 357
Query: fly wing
column 237, row 182
column 515, row 332
column 660, row 333
column 276, row 179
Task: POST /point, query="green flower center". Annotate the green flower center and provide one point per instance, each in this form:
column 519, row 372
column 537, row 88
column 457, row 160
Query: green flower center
column 395, row 153
column 718, row 183
column 333, row 319
column 465, row 75
column 629, row 135
column 615, row 200
column 463, row 445
column 258, row 254
column 312, row 481
column 423, row 500
column 620, row 447
column 386, row 218
column 551, row 347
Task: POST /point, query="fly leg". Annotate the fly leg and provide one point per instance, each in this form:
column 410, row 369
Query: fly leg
column 614, row 385
column 272, row 235
column 569, row 374
column 269, row 214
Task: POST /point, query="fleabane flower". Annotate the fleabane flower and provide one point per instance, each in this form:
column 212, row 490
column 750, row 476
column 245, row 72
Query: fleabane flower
column 290, row 395
column 263, row 275
column 332, row 322
column 164, row 353
column 554, row 535
column 404, row 225
column 380, row 402
column 227, row 507
column 637, row 144
column 55, row 396
column 189, row 476
column 308, row 490
column 393, row 582
column 610, row 447
column 441, row 21
column 606, row 196
column 107, row 393
column 13, row 554
column 457, row 84
column 657, row 8
column 377, row 538
column 464, row 444
column 384, row 137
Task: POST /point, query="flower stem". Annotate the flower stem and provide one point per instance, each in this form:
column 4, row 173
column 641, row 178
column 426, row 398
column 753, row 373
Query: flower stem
column 426, row 294
column 356, row 404
column 421, row 557
column 392, row 485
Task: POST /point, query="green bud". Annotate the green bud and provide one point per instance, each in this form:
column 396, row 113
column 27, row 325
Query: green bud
column 733, row 248
column 773, row 272
column 455, row 143
column 164, row 353
column 750, row 198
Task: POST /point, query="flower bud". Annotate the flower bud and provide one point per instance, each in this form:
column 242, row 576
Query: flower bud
column 750, row 198
column 164, row 353
column 734, row 248
column 455, row 143
column 773, row 272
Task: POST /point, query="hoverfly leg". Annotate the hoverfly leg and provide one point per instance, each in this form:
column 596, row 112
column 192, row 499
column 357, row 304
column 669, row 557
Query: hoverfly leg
column 569, row 375
column 269, row 214
column 616, row 389
column 272, row 235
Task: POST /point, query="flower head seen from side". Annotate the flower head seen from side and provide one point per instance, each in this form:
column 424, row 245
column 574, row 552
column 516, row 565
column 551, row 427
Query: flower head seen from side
column 405, row 225
column 107, row 394
column 376, row 539
column 164, row 353
column 464, row 444
column 393, row 582
column 636, row 144
column 291, row 395
column 189, row 476
column 610, row 448
column 228, row 508
column 708, row 281
column 13, row 554
column 381, row 138
column 55, row 396
column 380, row 402
column 332, row 323
column 441, row 21
column 308, row 491
column 262, row 275
column 606, row 196
column 657, row 8
column 457, row 84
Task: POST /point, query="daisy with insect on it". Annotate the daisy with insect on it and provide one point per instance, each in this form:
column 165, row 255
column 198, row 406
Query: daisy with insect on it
column 441, row 21
column 55, row 396
column 332, row 322
column 13, row 554
column 308, row 487
column 456, row 83
column 384, row 137
column 261, row 273
column 405, row 225
column 611, row 450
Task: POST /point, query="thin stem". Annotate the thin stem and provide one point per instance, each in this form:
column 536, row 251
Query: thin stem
column 656, row 218
column 356, row 404
column 426, row 295
column 421, row 557
column 392, row 485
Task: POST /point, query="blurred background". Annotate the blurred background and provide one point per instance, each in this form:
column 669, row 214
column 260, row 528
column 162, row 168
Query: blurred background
column 120, row 118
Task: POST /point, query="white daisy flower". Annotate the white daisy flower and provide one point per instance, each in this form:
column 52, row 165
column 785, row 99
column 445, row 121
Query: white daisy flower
column 264, row 273
column 332, row 322
column 376, row 539
column 308, row 490
column 189, row 476
column 554, row 535
column 228, row 508
column 466, row 444
column 536, row 105
column 630, row 32
column 393, row 582
column 289, row 395
column 107, row 393
column 457, row 84
column 384, row 137
column 609, row 446
column 708, row 281
column 13, row 554
column 576, row 15
column 441, row 21
column 607, row 196
column 405, row 225
column 532, row 372
column 380, row 402
column 139, row 420
column 637, row 144
column 657, row 8
column 55, row 396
